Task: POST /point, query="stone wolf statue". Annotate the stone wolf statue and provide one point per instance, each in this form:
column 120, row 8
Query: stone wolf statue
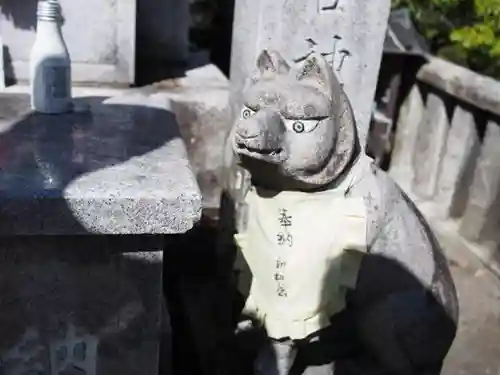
column 333, row 260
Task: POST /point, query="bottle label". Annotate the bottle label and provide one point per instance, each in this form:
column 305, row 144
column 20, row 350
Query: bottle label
column 56, row 79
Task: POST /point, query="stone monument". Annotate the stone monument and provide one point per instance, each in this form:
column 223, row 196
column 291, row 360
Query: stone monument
column 334, row 262
column 349, row 33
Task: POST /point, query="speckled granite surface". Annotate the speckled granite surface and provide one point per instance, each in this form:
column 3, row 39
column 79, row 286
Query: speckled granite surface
column 86, row 305
column 118, row 167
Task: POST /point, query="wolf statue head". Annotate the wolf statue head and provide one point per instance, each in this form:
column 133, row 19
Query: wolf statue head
column 296, row 129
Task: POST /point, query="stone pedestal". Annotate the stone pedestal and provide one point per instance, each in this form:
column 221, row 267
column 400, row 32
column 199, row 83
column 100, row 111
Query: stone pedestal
column 85, row 201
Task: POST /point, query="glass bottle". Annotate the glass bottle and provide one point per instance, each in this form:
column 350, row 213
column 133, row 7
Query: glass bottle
column 50, row 63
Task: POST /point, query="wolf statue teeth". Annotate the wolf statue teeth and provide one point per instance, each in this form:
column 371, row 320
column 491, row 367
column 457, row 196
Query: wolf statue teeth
column 334, row 261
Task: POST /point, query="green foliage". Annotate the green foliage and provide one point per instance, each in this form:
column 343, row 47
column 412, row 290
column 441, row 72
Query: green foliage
column 466, row 32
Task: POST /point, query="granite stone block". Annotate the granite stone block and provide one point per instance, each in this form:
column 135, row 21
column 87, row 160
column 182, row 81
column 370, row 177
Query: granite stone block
column 75, row 299
column 202, row 125
column 85, row 305
column 117, row 167
column 201, row 104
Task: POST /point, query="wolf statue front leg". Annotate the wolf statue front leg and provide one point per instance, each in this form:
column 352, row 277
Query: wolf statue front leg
column 334, row 262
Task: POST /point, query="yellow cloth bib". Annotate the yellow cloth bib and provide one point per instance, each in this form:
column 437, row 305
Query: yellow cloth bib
column 303, row 250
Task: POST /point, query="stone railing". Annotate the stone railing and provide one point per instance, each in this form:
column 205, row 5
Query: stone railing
column 446, row 154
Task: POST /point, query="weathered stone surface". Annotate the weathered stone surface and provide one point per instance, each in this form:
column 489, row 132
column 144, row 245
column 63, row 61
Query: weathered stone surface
column 351, row 32
column 104, row 52
column 482, row 216
column 203, row 125
column 468, row 177
column 118, row 168
column 476, row 89
column 89, row 305
column 462, row 149
column 407, row 129
column 430, row 146
column 200, row 102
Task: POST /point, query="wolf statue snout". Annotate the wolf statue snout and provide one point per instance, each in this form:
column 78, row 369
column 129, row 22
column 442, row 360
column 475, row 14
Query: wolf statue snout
column 262, row 131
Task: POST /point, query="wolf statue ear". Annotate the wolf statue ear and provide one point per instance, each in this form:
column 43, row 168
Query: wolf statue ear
column 316, row 68
column 272, row 62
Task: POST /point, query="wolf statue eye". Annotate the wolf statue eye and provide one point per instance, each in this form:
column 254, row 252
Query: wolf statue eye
column 246, row 113
column 298, row 127
column 301, row 126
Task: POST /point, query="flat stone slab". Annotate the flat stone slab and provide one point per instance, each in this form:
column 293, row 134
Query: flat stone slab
column 117, row 167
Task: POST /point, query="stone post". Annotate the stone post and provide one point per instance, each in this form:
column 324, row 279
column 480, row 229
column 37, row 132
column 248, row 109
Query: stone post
column 350, row 33
column 481, row 216
column 430, row 146
column 457, row 171
column 410, row 114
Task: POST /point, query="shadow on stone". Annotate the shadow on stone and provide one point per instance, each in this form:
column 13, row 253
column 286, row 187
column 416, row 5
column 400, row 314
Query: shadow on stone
column 22, row 13
column 410, row 324
column 195, row 304
column 44, row 154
